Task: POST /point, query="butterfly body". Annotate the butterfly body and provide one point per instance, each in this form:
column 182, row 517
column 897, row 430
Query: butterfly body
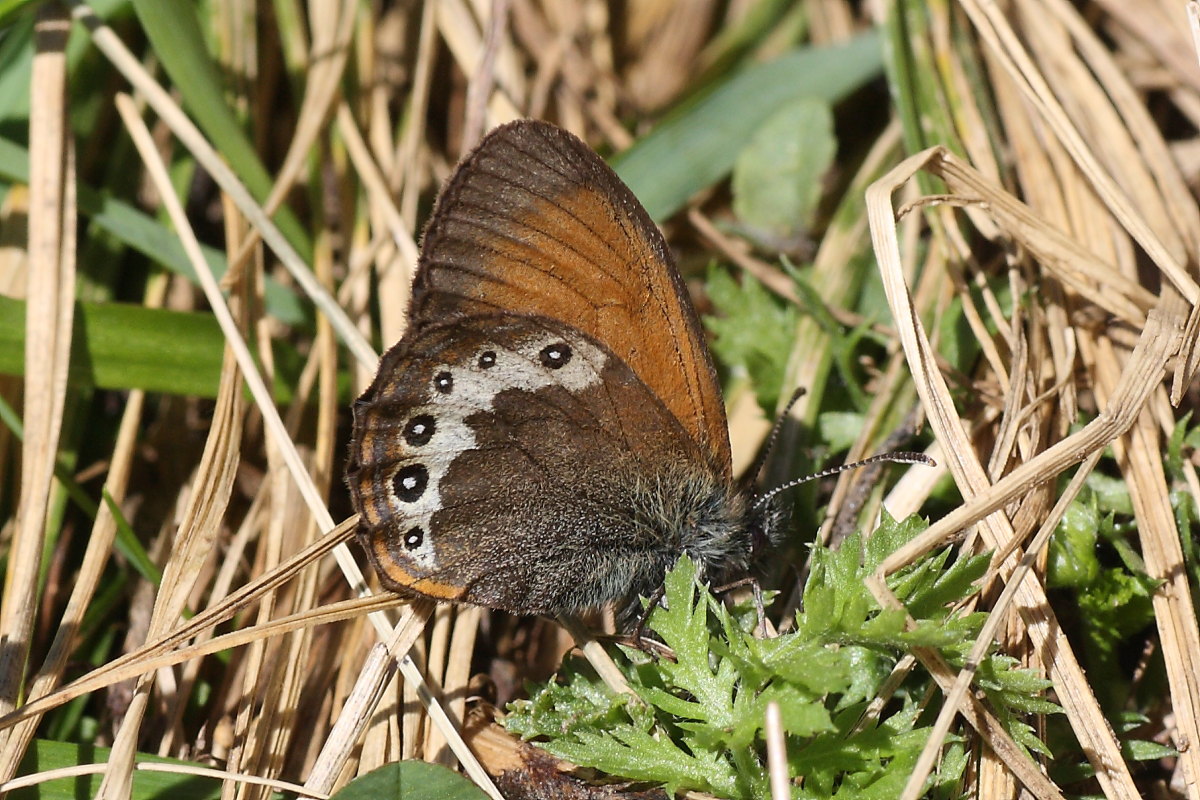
column 548, row 436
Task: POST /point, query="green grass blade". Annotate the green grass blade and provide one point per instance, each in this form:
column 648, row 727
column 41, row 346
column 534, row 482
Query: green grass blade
column 148, row 236
column 175, row 34
column 128, row 347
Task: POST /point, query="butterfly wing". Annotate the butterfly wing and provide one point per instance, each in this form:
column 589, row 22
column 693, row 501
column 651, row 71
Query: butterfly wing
column 516, row 463
column 534, row 222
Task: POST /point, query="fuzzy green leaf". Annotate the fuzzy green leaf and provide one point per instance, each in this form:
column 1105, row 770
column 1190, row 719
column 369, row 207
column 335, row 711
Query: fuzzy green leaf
column 777, row 176
column 696, row 145
column 840, row 429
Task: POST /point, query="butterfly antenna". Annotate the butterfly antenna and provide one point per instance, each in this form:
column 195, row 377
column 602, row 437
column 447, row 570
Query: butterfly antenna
column 773, row 439
column 898, row 458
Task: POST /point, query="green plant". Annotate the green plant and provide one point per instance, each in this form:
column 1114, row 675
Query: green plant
column 697, row 722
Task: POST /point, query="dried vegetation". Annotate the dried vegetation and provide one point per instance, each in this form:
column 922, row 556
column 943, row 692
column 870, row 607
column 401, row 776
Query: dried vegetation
column 1032, row 190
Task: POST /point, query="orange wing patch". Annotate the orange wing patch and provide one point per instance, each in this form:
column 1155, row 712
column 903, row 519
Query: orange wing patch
column 398, row 577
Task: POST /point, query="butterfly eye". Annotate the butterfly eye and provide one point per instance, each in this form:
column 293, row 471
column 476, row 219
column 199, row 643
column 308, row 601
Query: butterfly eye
column 487, row 359
column 410, row 482
column 555, row 356
column 443, row 382
column 419, row 430
column 413, row 538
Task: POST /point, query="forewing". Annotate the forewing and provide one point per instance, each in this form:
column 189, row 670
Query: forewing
column 534, row 222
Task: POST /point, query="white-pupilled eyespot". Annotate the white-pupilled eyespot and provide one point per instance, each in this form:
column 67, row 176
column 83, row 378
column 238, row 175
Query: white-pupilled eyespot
column 437, row 433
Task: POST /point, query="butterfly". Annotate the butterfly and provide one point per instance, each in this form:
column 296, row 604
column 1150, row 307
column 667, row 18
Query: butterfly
column 549, row 435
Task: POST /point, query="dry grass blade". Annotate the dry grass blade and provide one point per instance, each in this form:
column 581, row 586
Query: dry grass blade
column 368, row 691
column 100, row 543
column 987, row 634
column 198, row 532
column 175, row 769
column 112, row 46
column 262, row 396
column 332, row 31
column 1040, row 265
column 169, row 648
column 777, row 754
column 1000, row 36
column 47, row 345
column 1160, row 341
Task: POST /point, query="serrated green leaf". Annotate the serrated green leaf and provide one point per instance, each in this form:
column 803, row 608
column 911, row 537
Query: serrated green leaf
column 948, row 586
column 578, row 702
column 889, row 537
column 801, row 714
column 806, row 663
column 641, row 756
column 1117, row 604
column 754, row 331
column 703, row 727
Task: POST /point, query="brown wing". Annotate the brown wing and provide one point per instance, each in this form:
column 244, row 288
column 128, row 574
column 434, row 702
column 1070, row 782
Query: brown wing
column 534, row 222
column 515, row 463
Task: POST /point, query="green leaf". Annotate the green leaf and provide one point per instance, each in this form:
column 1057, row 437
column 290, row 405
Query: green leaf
column 46, row 755
column 151, row 238
column 698, row 143
column 1111, row 493
column 1116, row 605
column 638, row 755
column 949, row 586
column 754, row 331
column 10, row 7
column 1179, row 435
column 840, row 429
column 411, row 780
column 700, row 723
column 1141, row 750
column 581, row 702
column 777, row 176
column 1072, row 558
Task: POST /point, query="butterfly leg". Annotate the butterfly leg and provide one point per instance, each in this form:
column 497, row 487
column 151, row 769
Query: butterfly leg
column 760, row 629
column 640, row 627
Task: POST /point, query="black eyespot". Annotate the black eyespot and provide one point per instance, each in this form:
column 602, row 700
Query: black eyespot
column 487, row 359
column 419, row 430
column 555, row 356
column 414, row 537
column 443, row 382
column 409, row 483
